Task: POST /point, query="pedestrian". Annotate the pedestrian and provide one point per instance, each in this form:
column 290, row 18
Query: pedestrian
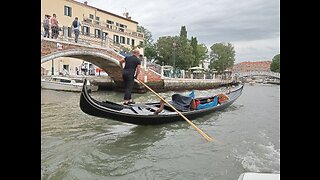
column 54, row 26
column 83, row 68
column 130, row 72
column 76, row 29
column 46, row 26
column 77, row 71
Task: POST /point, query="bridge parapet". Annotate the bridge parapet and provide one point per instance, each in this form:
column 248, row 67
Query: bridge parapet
column 259, row 73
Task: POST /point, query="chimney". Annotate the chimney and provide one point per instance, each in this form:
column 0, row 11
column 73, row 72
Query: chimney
column 86, row 2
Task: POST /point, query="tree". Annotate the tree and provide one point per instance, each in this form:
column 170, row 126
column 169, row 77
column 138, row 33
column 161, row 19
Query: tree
column 150, row 50
column 183, row 32
column 165, row 49
column 202, row 53
column 221, row 56
column 183, row 50
column 194, row 45
column 275, row 64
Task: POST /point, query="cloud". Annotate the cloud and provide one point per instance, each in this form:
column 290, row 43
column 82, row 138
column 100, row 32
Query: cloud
column 253, row 26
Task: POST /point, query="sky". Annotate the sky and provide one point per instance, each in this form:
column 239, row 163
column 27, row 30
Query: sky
column 251, row 26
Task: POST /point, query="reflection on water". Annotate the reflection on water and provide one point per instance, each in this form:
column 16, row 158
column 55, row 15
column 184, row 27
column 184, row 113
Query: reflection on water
column 75, row 145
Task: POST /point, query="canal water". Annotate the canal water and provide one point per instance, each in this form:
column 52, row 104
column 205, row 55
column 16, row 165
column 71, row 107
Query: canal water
column 75, row 145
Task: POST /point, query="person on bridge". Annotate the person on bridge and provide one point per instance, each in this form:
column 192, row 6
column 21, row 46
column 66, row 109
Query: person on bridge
column 54, row 26
column 130, row 71
column 46, row 26
column 76, row 29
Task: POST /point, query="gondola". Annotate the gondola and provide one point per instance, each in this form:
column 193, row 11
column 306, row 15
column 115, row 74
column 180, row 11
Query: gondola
column 146, row 114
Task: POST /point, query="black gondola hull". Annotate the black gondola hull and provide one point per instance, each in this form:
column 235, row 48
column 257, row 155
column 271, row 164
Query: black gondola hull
column 119, row 112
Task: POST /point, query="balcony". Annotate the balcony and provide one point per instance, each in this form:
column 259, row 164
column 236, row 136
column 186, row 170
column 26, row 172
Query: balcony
column 111, row 28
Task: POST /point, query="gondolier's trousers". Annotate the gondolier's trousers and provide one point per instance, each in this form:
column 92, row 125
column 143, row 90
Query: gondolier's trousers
column 128, row 79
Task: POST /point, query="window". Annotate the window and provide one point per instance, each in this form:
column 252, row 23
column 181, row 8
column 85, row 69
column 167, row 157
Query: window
column 91, row 16
column 66, row 31
column 128, row 41
column 110, row 22
column 104, row 35
column 115, row 38
column 67, row 11
column 97, row 33
column 97, row 20
column 86, row 30
column 122, row 40
column 132, row 42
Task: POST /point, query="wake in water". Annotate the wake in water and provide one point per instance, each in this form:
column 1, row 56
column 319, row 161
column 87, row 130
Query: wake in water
column 263, row 158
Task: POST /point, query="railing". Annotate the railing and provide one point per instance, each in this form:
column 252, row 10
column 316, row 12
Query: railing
column 67, row 34
column 111, row 27
column 258, row 73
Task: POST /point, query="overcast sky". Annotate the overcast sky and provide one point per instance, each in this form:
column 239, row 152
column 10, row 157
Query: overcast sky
column 251, row 26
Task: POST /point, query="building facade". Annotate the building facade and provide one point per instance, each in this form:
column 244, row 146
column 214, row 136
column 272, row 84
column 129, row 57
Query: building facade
column 258, row 66
column 98, row 27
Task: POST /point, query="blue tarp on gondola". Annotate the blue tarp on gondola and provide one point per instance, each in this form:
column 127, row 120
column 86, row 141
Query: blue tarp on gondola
column 209, row 104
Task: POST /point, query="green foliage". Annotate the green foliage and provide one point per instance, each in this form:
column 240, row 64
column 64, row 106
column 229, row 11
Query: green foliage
column 275, row 64
column 183, row 32
column 221, row 56
column 165, row 49
column 146, row 34
column 186, row 53
column 202, row 54
column 150, row 49
column 194, row 45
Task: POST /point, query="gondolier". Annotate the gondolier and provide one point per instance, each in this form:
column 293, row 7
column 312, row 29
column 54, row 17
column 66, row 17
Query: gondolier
column 130, row 71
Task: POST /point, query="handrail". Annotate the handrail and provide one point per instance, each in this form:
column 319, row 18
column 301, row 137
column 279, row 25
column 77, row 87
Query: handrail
column 87, row 39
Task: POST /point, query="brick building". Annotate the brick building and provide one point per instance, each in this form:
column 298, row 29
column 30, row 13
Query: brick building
column 261, row 66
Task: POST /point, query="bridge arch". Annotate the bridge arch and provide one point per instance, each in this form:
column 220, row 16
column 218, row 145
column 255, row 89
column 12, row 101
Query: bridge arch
column 109, row 64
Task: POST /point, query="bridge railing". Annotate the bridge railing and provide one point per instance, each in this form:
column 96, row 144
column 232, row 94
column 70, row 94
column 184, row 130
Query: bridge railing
column 85, row 38
column 258, row 73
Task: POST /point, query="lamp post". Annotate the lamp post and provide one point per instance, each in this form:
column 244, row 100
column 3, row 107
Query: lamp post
column 52, row 68
column 174, row 59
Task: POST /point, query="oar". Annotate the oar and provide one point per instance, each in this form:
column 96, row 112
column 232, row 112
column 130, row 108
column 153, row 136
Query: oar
column 185, row 118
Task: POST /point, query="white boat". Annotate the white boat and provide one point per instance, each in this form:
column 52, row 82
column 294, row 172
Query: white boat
column 65, row 84
column 259, row 176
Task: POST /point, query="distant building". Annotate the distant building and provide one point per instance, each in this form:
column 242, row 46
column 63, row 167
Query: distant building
column 260, row 66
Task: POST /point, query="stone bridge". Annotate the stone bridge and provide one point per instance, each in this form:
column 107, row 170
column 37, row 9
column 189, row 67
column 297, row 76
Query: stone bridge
column 103, row 57
column 259, row 73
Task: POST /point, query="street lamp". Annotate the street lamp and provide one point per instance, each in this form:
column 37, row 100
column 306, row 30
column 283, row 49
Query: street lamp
column 174, row 59
column 52, row 68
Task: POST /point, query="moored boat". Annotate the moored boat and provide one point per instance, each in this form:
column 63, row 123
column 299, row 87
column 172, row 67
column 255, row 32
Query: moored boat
column 148, row 113
column 63, row 83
